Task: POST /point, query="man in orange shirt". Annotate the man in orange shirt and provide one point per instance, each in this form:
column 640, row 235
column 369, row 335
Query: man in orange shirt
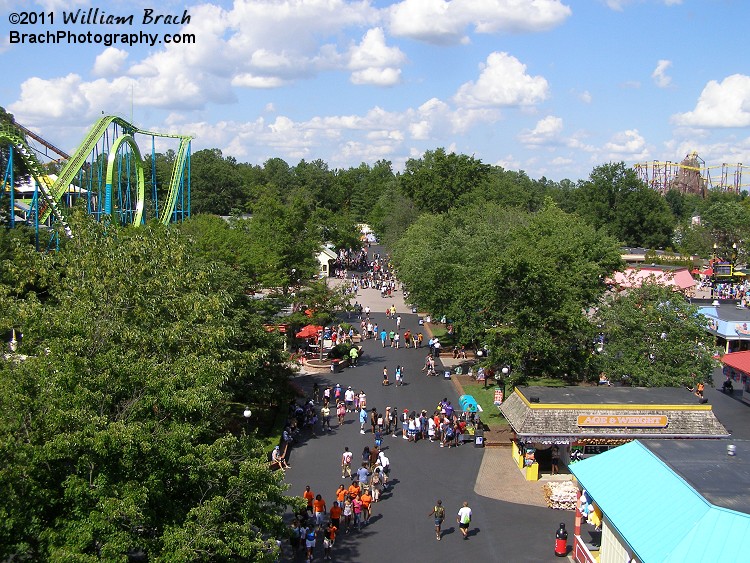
column 354, row 490
column 319, row 510
column 366, row 499
column 341, row 494
column 335, row 514
column 309, row 497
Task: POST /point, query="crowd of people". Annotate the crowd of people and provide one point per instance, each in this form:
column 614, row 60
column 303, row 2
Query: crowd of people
column 366, row 480
column 365, row 477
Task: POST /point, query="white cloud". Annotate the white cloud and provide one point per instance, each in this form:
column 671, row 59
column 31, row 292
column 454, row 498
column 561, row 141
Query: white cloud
column 109, row 62
column 254, row 81
column 374, row 62
column 445, row 22
column 724, row 104
column 509, row 162
column 619, row 5
column 561, row 161
column 731, row 151
column 547, row 131
column 660, row 73
column 626, row 145
column 51, row 5
column 377, row 76
column 503, row 82
column 585, row 97
column 55, row 99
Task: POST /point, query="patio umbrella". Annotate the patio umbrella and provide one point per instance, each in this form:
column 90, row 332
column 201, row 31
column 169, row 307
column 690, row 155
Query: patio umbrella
column 308, row 331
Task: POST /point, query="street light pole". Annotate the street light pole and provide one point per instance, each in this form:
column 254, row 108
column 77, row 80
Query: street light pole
column 247, row 413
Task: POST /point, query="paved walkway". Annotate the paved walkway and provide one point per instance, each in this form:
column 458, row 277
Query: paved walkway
column 400, row 530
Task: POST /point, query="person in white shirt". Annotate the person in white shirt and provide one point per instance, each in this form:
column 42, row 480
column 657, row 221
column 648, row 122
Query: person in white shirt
column 464, row 519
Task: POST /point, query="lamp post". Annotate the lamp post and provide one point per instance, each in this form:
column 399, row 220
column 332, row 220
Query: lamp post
column 247, row 413
column 713, row 271
column 505, row 371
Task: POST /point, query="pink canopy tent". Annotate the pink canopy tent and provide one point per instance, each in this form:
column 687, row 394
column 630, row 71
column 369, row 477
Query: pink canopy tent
column 635, row 277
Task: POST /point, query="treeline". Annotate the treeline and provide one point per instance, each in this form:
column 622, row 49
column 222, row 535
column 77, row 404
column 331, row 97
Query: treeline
column 612, row 197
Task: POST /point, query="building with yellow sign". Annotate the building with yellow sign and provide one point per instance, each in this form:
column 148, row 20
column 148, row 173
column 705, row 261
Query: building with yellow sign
column 582, row 421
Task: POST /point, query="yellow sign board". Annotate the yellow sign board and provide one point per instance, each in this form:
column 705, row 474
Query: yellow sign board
column 625, row 420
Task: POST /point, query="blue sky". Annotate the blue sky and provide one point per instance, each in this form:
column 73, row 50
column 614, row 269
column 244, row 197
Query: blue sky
column 550, row 87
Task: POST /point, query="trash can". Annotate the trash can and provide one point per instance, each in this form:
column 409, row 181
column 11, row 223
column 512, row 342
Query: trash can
column 336, row 365
column 479, row 437
column 447, row 374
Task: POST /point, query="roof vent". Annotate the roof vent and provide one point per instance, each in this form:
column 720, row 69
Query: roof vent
column 533, row 399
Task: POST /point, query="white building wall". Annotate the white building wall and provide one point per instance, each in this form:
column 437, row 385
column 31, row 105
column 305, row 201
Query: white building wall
column 614, row 549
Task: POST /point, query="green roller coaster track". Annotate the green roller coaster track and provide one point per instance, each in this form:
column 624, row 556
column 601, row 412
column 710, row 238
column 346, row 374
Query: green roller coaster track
column 46, row 190
column 52, row 193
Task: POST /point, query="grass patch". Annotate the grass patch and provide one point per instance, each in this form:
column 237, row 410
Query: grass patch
column 271, row 437
column 485, row 398
column 441, row 332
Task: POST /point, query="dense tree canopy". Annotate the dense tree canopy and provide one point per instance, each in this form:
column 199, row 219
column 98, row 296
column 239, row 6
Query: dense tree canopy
column 654, row 337
column 435, row 181
column 115, row 428
column 519, row 282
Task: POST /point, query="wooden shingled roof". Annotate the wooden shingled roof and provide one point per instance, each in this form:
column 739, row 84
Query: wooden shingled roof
column 557, row 412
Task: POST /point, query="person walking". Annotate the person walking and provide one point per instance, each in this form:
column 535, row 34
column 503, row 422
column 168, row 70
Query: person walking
column 309, row 497
column 348, row 513
column 362, row 419
column 329, row 538
column 310, row 542
column 438, row 512
column 464, row 519
column 341, row 412
column 320, row 509
column 325, row 415
column 346, row 463
column 366, row 499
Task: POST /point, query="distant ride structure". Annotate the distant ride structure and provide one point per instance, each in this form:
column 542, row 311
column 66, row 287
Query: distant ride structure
column 106, row 175
column 692, row 175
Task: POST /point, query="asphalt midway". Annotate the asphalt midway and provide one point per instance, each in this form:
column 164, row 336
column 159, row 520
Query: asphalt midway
column 421, row 472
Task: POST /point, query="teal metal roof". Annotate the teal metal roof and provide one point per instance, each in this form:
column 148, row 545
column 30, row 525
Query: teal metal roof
column 659, row 515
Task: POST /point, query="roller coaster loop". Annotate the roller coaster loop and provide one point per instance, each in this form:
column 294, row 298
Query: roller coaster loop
column 106, row 173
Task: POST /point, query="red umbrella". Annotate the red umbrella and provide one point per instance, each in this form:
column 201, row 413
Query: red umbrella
column 708, row 272
column 309, row 331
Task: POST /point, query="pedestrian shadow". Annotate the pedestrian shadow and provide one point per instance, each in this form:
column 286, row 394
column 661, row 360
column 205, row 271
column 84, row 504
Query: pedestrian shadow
column 375, row 518
column 473, row 532
column 448, row 531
